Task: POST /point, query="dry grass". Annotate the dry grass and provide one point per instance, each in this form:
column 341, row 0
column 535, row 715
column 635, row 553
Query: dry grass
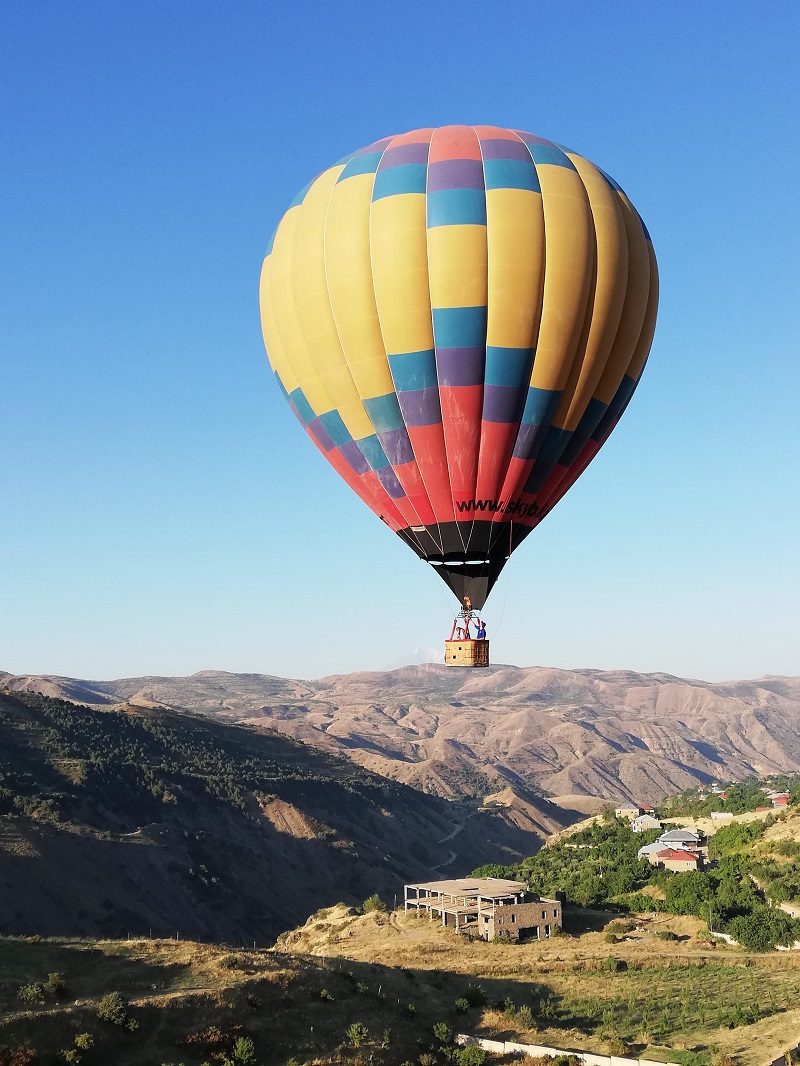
column 373, row 967
column 292, row 1005
column 676, row 993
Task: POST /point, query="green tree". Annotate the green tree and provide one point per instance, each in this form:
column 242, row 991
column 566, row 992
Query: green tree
column 373, row 903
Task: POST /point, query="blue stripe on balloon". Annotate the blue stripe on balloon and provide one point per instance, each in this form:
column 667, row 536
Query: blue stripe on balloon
column 508, row 366
column 459, row 327
column 510, row 174
column 395, row 181
column 373, row 452
column 412, row 371
column 384, row 413
column 456, row 207
column 540, row 406
column 304, row 408
column 361, row 164
column 548, row 153
column 335, row 427
column 590, row 419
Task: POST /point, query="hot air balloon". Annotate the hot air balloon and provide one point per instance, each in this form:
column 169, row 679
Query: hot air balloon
column 458, row 317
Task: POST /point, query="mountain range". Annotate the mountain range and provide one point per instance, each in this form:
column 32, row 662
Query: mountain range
column 512, row 736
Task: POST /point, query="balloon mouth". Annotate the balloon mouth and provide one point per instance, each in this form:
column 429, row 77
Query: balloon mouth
column 459, row 562
column 472, row 575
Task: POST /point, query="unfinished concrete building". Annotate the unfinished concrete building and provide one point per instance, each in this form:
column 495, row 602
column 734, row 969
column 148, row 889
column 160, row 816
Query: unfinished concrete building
column 486, row 907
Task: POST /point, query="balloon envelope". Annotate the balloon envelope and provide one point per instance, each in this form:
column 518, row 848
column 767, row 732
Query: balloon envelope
column 458, row 317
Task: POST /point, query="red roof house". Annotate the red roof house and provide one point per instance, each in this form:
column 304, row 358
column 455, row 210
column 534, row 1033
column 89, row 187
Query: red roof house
column 677, row 860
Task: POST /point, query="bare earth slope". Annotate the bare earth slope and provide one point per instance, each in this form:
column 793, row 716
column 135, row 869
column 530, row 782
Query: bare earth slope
column 542, row 731
column 130, row 820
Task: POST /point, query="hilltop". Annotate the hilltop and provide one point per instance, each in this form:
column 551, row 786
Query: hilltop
column 128, row 819
column 540, row 731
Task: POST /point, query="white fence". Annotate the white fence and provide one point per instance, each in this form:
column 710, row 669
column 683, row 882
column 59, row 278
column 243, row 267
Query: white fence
column 509, row 1047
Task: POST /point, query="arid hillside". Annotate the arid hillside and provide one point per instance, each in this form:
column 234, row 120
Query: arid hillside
column 557, row 733
column 131, row 820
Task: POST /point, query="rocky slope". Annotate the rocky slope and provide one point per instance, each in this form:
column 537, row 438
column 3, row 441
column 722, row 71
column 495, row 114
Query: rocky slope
column 131, row 820
column 537, row 731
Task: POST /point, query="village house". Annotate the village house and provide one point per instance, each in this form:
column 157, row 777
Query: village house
column 676, row 860
column 645, row 822
column 721, row 816
column 680, row 838
column 650, row 849
column 627, row 810
column 486, row 907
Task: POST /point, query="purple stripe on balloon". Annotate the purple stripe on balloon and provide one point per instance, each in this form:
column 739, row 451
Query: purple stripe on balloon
column 354, row 457
column 455, row 174
column 388, row 479
column 420, row 407
column 461, row 366
column 320, row 434
column 504, row 149
column 397, row 446
column 376, row 147
column 531, row 138
column 405, row 153
column 529, row 441
column 502, row 403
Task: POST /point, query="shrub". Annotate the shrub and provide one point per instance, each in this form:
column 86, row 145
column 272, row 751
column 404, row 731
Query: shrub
column 55, row 985
column 666, row 934
column 461, row 1005
column 357, row 1034
column 32, row 993
column 411, row 1010
column 614, row 965
column 83, row 1042
column 610, row 938
column 621, row 927
column 471, row 1055
column 244, row 1052
column 112, row 1007
column 475, row 995
column 524, row 1017
column 443, row 1033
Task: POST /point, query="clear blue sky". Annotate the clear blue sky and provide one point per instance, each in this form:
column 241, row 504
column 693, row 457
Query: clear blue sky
column 160, row 502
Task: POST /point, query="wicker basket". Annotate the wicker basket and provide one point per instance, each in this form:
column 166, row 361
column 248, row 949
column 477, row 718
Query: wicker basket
column 466, row 652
